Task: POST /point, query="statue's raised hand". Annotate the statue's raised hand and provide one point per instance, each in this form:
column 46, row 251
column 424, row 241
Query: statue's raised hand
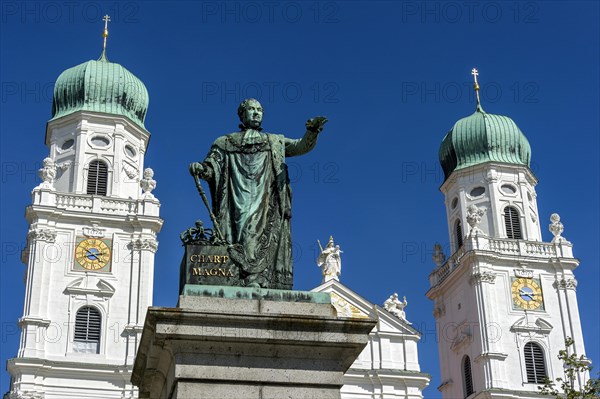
column 316, row 124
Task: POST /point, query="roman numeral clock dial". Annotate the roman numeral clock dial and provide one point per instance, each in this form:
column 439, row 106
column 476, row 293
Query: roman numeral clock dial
column 527, row 294
column 92, row 253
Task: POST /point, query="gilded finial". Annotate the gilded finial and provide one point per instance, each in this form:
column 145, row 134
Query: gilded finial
column 475, row 72
column 106, row 20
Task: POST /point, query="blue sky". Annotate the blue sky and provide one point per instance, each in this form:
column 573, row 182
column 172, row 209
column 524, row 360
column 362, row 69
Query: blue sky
column 392, row 77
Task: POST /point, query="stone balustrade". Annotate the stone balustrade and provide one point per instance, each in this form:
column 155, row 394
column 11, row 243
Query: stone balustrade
column 501, row 247
column 74, row 202
column 118, row 206
column 95, row 204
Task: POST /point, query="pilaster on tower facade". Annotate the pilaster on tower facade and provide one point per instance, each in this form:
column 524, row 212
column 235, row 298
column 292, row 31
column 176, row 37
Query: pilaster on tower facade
column 505, row 300
column 91, row 242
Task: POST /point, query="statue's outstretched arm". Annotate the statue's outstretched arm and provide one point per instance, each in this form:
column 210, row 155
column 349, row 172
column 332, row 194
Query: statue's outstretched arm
column 301, row 146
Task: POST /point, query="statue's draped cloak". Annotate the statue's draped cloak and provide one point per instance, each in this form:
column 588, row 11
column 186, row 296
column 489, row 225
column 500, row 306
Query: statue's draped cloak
column 252, row 200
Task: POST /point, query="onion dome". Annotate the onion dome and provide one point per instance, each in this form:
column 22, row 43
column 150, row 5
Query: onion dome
column 100, row 86
column 481, row 138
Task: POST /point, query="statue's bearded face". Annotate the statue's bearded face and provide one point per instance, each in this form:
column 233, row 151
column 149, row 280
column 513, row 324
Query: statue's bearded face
column 253, row 114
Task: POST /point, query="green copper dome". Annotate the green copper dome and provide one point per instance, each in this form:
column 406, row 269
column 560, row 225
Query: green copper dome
column 483, row 137
column 100, row 86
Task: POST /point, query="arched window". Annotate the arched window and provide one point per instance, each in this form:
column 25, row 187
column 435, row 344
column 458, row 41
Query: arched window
column 88, row 323
column 512, row 223
column 97, row 178
column 467, row 376
column 535, row 365
column 459, row 234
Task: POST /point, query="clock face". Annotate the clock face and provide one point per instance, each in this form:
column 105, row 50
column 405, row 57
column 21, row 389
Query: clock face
column 527, row 294
column 92, row 253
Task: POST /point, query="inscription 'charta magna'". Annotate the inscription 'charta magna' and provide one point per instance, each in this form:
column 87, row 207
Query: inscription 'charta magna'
column 209, row 264
column 214, row 272
column 198, row 258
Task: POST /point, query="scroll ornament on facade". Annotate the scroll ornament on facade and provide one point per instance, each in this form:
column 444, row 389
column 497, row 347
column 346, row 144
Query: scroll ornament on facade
column 139, row 244
column 130, row 171
column 565, row 283
column 45, row 235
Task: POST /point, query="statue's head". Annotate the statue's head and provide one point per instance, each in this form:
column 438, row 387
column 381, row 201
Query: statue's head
column 148, row 173
column 330, row 242
column 250, row 112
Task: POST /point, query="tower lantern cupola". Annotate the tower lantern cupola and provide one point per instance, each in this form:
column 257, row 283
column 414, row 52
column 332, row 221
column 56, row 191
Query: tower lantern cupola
column 100, row 86
column 485, row 159
column 97, row 127
column 481, row 138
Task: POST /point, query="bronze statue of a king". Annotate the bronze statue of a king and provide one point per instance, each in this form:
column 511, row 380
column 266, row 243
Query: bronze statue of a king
column 251, row 196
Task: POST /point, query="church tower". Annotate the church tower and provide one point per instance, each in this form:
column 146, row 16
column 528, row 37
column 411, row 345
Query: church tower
column 505, row 300
column 91, row 242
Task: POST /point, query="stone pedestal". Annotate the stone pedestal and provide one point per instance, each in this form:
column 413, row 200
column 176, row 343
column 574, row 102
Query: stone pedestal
column 213, row 346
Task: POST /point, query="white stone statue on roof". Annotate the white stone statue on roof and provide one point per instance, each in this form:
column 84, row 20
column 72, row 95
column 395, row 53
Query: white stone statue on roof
column 330, row 261
column 396, row 307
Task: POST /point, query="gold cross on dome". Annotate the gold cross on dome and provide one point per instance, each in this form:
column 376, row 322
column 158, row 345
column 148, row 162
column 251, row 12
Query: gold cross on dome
column 106, row 20
column 475, row 73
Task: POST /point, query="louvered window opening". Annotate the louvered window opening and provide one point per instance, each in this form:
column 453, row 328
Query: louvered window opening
column 459, row 234
column 97, row 178
column 468, row 378
column 535, row 366
column 512, row 223
column 87, row 325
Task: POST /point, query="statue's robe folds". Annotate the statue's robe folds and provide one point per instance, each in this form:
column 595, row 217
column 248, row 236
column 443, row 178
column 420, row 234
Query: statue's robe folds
column 252, row 200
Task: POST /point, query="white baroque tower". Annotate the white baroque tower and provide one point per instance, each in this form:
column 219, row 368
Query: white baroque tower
column 505, row 300
column 91, row 242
